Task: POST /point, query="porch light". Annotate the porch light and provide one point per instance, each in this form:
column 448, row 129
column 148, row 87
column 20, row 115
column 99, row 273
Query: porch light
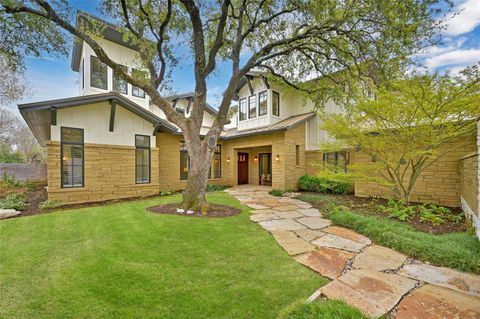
column 278, row 157
column 255, row 158
column 228, row 159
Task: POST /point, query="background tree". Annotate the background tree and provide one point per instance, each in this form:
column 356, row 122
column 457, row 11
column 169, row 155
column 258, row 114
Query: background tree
column 405, row 127
column 291, row 39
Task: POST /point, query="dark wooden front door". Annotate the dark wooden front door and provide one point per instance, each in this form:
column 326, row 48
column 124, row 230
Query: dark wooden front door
column 242, row 168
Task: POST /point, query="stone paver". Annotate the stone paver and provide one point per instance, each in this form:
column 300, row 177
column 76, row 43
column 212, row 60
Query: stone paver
column 256, row 206
column 329, row 262
column 263, row 211
column 334, row 241
column 285, row 208
column 281, row 224
column 374, row 293
column 263, row 217
column 292, row 244
column 379, row 258
column 444, row 277
column 309, row 234
column 348, row 234
column 434, row 302
column 314, row 222
column 310, row 212
column 289, row 214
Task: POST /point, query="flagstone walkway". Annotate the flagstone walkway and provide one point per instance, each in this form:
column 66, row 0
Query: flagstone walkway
column 373, row 278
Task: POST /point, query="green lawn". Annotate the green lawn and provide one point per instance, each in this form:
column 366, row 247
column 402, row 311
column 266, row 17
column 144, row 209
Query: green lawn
column 325, row 309
column 456, row 250
column 121, row 261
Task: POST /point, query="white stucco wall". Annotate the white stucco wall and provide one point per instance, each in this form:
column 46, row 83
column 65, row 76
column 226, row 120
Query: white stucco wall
column 183, row 103
column 95, row 120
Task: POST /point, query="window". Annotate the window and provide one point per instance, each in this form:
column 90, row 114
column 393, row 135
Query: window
column 180, row 110
column 252, row 106
column 98, row 73
column 335, row 161
column 184, row 161
column 243, row 109
column 71, row 157
column 275, row 103
column 119, row 84
column 136, row 91
column 82, row 74
column 142, row 159
column 216, row 165
column 297, row 155
column 262, row 103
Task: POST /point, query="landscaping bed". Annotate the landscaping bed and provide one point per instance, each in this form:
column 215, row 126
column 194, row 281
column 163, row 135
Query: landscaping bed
column 216, row 211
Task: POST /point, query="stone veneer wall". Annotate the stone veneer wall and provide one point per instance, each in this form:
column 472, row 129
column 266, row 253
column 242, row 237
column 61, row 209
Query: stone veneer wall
column 470, row 188
column 438, row 184
column 109, row 174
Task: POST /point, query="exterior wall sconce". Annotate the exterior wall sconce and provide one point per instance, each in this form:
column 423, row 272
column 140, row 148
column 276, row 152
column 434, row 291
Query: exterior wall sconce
column 277, row 158
column 255, row 158
column 228, row 159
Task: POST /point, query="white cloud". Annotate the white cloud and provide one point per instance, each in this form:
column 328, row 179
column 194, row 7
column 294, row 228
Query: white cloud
column 466, row 20
column 454, row 58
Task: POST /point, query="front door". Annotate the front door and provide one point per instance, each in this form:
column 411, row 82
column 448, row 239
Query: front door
column 242, row 168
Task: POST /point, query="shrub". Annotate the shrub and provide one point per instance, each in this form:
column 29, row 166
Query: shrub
column 396, row 209
column 215, row 188
column 14, row 201
column 10, row 180
column 437, row 215
column 166, row 193
column 327, row 182
column 51, row 204
column 276, row 192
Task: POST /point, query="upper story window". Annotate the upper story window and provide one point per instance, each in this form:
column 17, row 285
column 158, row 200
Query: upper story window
column 142, row 159
column 275, row 103
column 262, row 103
column 82, row 74
column 136, row 91
column 72, row 157
column 252, row 106
column 119, row 84
column 180, row 110
column 242, row 109
column 98, row 73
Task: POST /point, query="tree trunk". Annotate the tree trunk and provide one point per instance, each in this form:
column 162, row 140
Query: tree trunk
column 194, row 194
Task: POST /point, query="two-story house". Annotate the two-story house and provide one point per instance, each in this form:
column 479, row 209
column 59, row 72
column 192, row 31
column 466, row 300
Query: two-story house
column 111, row 142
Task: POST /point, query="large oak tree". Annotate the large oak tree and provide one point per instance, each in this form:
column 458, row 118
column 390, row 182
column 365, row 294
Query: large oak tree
column 289, row 39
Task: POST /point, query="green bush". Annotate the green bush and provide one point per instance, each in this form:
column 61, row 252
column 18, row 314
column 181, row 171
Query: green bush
column 395, row 209
column 327, row 182
column 166, row 193
column 276, row 192
column 51, row 204
column 215, row 188
column 9, row 180
column 437, row 215
column 14, row 201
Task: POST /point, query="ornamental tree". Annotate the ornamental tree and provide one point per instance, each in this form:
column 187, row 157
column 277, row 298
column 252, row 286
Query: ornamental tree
column 290, row 39
column 404, row 128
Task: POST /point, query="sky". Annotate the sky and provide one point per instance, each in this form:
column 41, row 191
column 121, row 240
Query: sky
column 52, row 78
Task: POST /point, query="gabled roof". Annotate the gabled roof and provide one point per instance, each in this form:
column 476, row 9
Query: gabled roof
column 191, row 95
column 286, row 124
column 39, row 115
column 110, row 33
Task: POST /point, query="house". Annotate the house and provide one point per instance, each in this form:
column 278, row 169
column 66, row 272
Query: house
column 111, row 142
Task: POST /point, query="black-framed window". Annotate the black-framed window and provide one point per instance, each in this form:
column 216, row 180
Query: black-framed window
column 119, row 84
column 216, row 165
column 297, row 155
column 252, row 106
column 242, row 107
column 275, row 103
column 335, row 161
column 184, row 161
column 98, row 73
column 142, row 159
column 136, row 91
column 262, row 103
column 72, row 157
column 180, row 110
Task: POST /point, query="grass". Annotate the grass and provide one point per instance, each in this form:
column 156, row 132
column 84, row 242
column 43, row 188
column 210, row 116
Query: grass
column 327, row 309
column 121, row 261
column 459, row 250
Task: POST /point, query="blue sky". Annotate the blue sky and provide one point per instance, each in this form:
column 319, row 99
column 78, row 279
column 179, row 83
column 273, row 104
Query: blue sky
column 52, row 78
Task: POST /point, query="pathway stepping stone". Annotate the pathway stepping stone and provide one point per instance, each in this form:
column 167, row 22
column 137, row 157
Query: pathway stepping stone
column 6, row 213
column 374, row 293
column 256, row 206
column 263, row 211
column 379, row 258
column 291, row 243
column 285, row 208
column 334, row 241
column 328, row 262
column 444, row 277
column 348, row 234
column 263, row 217
column 435, row 302
column 310, row 212
column 309, row 234
column 314, row 222
column 281, row 224
column 288, row 214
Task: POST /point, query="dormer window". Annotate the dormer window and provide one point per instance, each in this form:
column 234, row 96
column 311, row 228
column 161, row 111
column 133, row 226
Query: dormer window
column 98, row 73
column 275, row 103
column 262, row 103
column 243, row 109
column 180, row 110
column 136, row 91
column 252, row 106
column 119, row 84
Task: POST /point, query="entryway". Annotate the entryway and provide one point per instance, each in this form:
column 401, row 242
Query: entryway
column 242, row 165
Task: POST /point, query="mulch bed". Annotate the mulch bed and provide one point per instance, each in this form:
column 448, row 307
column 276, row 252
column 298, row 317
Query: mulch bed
column 214, row 211
column 34, row 200
column 361, row 206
